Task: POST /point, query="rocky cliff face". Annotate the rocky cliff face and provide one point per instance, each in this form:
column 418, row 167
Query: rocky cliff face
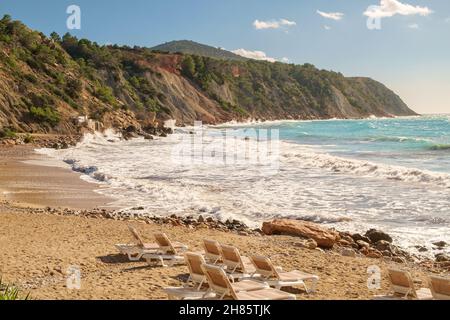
column 46, row 83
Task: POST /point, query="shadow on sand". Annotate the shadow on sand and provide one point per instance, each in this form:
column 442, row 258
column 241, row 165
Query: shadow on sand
column 114, row 259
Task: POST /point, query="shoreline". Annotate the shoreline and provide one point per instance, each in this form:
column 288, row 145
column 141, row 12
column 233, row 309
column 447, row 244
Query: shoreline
column 28, row 182
column 40, row 181
column 253, row 122
column 53, row 237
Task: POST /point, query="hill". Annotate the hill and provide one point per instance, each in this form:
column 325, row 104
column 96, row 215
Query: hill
column 47, row 82
column 194, row 48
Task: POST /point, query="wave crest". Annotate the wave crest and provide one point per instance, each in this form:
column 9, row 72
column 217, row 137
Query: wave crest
column 366, row 168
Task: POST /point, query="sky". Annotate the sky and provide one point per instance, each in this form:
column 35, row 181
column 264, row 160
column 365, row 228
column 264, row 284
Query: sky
column 405, row 44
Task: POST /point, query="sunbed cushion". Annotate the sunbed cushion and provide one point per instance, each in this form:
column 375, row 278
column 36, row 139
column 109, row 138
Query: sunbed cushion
column 295, row 276
column 248, row 285
column 424, row 294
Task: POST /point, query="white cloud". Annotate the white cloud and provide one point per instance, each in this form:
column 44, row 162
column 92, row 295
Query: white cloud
column 256, row 55
column 288, row 23
column 285, row 60
column 413, row 26
column 390, row 8
column 327, row 27
column 331, row 15
column 273, row 24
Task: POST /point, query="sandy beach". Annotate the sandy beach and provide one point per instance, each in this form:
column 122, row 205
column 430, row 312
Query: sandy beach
column 38, row 248
column 31, row 179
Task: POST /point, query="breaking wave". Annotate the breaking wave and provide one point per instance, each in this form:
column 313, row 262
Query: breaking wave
column 366, row 168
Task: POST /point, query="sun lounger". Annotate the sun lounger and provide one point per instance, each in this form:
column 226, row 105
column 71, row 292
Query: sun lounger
column 402, row 286
column 221, row 285
column 168, row 247
column 277, row 278
column 167, row 251
column 195, row 288
column 440, row 288
column 212, row 251
column 194, row 262
column 236, row 266
column 187, row 293
column 135, row 251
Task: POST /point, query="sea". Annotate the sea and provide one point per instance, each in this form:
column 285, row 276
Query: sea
column 391, row 174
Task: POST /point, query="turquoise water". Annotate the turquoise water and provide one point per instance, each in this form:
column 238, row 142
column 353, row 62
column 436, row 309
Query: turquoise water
column 416, row 142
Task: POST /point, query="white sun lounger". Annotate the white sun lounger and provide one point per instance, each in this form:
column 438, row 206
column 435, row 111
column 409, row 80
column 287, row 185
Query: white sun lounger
column 135, row 251
column 212, row 251
column 221, row 285
column 403, row 287
column 167, row 252
column 440, row 288
column 277, row 278
column 237, row 266
column 197, row 287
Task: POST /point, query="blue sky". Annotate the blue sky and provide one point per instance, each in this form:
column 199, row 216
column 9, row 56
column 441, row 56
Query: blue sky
column 410, row 53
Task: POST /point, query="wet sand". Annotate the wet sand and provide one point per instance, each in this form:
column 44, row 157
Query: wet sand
column 26, row 183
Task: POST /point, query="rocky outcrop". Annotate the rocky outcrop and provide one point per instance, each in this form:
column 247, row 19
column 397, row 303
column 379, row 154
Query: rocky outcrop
column 325, row 238
column 377, row 235
column 374, row 244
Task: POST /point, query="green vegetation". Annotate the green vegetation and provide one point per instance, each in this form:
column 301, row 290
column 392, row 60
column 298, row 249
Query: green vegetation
column 73, row 88
column 45, row 115
column 188, row 67
column 7, row 133
column 105, row 94
column 8, row 292
column 28, row 139
column 194, row 48
column 51, row 80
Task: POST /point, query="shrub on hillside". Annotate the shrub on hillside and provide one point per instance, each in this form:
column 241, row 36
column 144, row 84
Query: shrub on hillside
column 105, row 94
column 7, row 133
column 74, row 88
column 45, row 115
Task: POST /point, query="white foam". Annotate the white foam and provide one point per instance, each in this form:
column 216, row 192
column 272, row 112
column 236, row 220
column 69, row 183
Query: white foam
column 349, row 194
column 367, row 168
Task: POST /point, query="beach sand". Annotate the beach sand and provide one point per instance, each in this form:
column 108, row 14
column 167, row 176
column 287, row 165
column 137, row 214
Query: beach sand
column 36, row 250
column 25, row 182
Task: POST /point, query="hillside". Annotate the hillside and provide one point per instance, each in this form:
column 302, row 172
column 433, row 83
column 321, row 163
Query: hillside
column 198, row 49
column 47, row 82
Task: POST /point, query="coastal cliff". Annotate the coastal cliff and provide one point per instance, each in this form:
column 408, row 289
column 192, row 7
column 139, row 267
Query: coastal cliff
column 46, row 83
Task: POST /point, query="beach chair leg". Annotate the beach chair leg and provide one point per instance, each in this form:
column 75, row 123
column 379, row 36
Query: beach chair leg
column 206, row 293
column 313, row 287
column 278, row 287
column 161, row 260
column 303, row 284
column 200, row 285
column 134, row 256
column 188, row 281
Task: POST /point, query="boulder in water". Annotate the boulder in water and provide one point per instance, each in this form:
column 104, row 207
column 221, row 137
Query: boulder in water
column 440, row 244
column 377, row 235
